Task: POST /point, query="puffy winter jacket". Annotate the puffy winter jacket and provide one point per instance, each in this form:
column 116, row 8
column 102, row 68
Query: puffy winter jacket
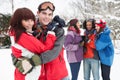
column 105, row 47
column 72, row 45
column 90, row 49
column 55, row 69
column 34, row 45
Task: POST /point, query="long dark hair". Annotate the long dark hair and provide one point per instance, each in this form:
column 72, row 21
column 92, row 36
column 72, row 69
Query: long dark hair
column 16, row 21
column 76, row 28
column 89, row 20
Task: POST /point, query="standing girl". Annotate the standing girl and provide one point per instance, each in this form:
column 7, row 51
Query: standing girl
column 74, row 47
column 105, row 48
column 91, row 58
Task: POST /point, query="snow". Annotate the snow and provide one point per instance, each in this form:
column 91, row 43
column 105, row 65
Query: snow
column 117, row 1
column 113, row 17
column 7, row 68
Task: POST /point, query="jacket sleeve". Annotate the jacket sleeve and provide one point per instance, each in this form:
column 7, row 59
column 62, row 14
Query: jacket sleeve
column 34, row 45
column 69, row 43
column 102, row 42
column 52, row 54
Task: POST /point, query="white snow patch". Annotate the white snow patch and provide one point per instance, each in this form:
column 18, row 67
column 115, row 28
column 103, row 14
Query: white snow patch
column 7, row 68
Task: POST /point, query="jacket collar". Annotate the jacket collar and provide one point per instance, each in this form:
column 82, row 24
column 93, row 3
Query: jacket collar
column 71, row 28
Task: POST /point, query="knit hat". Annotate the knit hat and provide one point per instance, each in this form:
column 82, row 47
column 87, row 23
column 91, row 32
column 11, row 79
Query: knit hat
column 101, row 23
column 73, row 22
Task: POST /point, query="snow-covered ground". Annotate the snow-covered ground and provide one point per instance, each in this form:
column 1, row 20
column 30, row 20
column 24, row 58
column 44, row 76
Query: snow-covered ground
column 7, row 69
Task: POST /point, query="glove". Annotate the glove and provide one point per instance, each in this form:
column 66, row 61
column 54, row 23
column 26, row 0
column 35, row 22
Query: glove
column 35, row 60
column 25, row 65
column 86, row 39
column 57, row 22
column 81, row 43
column 51, row 26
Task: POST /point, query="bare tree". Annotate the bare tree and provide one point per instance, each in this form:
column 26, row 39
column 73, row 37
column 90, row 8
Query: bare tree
column 108, row 10
column 12, row 6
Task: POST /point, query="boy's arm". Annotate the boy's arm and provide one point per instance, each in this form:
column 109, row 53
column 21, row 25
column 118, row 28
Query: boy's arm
column 52, row 54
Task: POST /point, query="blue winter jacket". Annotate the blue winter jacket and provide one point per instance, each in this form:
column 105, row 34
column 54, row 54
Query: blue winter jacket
column 105, row 47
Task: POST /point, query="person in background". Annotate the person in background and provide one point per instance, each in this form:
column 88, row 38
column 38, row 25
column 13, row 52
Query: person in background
column 74, row 47
column 91, row 57
column 104, row 47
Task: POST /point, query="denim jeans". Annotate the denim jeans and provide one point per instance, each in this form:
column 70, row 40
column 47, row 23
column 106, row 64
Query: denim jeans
column 75, row 70
column 66, row 78
column 91, row 65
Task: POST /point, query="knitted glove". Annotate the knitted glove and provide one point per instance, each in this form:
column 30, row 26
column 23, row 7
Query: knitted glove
column 35, row 60
column 25, row 65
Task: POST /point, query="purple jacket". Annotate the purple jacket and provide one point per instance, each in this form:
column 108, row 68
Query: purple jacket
column 73, row 50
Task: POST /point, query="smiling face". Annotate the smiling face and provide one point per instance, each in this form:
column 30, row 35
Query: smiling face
column 78, row 25
column 97, row 28
column 45, row 16
column 89, row 25
column 28, row 24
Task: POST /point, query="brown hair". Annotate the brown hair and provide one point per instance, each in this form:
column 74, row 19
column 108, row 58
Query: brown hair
column 16, row 21
column 73, row 23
